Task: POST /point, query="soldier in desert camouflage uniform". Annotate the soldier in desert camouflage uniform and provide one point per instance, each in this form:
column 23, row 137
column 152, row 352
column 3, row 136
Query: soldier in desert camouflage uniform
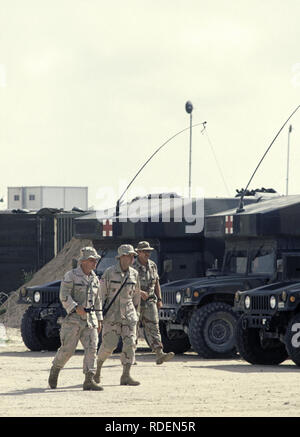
column 80, row 297
column 121, row 318
column 150, row 300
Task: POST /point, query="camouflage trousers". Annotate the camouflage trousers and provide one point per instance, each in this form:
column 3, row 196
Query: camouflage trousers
column 150, row 322
column 111, row 333
column 73, row 330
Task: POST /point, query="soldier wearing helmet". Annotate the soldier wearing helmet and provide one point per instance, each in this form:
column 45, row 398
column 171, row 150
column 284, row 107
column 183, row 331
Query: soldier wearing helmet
column 121, row 318
column 150, row 300
column 80, row 297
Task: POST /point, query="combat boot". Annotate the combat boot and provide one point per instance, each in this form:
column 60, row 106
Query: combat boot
column 53, row 376
column 126, row 378
column 162, row 357
column 90, row 384
column 98, row 371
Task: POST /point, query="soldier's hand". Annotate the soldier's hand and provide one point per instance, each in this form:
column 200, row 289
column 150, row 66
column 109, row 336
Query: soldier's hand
column 99, row 326
column 144, row 295
column 159, row 304
column 80, row 310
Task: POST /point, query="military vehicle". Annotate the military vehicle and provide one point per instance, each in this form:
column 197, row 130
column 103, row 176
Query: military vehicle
column 199, row 311
column 269, row 316
column 178, row 255
column 268, row 328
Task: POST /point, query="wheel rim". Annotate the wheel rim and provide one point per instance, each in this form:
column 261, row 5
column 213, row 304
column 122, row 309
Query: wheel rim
column 219, row 332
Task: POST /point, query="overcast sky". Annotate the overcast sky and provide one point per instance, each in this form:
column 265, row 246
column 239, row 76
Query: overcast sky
column 90, row 88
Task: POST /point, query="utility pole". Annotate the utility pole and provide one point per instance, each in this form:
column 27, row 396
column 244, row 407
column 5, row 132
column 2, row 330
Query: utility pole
column 189, row 109
column 288, row 162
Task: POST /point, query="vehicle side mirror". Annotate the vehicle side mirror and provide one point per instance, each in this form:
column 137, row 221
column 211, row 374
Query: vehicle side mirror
column 280, row 265
column 213, row 272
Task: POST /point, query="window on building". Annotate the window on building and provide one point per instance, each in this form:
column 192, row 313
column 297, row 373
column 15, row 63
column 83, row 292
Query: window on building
column 16, row 197
column 31, row 196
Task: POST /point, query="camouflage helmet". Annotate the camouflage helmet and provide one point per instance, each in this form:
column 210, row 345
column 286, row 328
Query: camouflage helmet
column 125, row 249
column 88, row 252
column 144, row 245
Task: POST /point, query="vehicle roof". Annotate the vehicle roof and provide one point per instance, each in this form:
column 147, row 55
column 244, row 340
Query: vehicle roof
column 140, row 219
column 277, row 216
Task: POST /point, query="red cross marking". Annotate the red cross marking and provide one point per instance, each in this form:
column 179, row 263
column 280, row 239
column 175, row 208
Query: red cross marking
column 107, row 229
column 229, row 224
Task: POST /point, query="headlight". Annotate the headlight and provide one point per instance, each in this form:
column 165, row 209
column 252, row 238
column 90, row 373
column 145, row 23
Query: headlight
column 247, row 302
column 37, row 296
column 178, row 297
column 273, row 302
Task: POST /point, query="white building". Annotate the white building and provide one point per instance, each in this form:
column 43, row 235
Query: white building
column 35, row 198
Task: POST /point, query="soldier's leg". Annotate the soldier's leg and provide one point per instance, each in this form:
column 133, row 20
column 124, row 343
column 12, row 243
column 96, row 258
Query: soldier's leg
column 137, row 333
column 150, row 322
column 89, row 340
column 128, row 334
column 110, row 338
column 151, row 326
column 69, row 336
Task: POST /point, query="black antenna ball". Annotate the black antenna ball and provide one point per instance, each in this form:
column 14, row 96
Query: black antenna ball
column 189, row 107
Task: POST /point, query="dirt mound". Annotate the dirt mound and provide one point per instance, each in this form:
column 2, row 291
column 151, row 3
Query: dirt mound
column 52, row 271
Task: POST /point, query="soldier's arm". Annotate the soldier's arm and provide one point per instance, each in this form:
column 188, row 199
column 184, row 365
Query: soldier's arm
column 98, row 305
column 137, row 296
column 103, row 290
column 157, row 289
column 65, row 293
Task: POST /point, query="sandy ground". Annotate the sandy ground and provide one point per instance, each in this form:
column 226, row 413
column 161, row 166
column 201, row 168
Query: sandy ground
column 187, row 386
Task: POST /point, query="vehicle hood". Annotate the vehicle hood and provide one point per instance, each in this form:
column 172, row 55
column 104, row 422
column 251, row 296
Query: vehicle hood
column 209, row 281
column 276, row 287
column 46, row 285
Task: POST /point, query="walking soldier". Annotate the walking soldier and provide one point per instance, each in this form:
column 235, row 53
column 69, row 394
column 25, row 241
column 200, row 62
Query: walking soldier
column 120, row 290
column 80, row 297
column 150, row 300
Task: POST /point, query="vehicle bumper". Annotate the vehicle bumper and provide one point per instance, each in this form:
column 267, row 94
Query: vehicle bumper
column 256, row 321
column 167, row 314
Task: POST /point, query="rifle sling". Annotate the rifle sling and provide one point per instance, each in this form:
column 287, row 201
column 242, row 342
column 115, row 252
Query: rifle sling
column 114, row 298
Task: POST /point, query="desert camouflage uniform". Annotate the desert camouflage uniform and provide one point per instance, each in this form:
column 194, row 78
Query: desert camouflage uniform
column 121, row 318
column 148, row 277
column 79, row 289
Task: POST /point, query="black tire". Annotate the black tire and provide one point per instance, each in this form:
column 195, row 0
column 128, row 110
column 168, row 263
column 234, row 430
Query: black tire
column 212, row 331
column 118, row 348
column 33, row 332
column 251, row 349
column 292, row 339
column 174, row 341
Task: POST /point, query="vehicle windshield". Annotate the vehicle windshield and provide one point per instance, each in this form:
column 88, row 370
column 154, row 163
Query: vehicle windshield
column 108, row 259
column 292, row 267
column 236, row 262
column 263, row 262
